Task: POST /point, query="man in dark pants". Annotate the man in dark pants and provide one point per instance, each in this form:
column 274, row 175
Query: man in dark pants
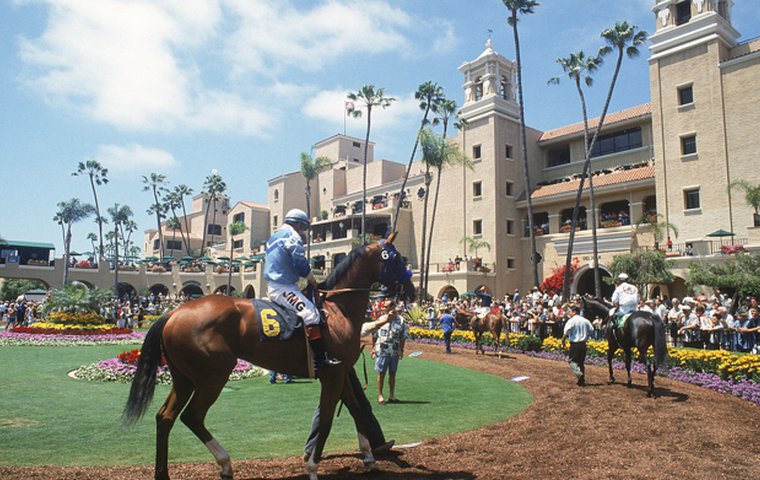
column 363, row 415
column 577, row 330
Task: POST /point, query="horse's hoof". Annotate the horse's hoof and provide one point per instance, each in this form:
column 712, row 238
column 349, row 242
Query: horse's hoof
column 629, row 384
column 611, row 381
column 370, row 466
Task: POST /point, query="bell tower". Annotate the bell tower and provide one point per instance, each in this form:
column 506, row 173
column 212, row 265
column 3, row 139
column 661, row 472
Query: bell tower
column 692, row 40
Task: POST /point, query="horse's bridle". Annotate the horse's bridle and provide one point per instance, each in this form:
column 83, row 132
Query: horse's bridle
column 392, row 273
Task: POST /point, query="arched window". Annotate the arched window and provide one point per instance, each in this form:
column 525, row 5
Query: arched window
column 478, row 88
column 276, row 195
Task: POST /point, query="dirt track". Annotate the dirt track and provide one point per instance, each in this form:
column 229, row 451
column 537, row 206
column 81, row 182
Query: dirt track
column 599, row 431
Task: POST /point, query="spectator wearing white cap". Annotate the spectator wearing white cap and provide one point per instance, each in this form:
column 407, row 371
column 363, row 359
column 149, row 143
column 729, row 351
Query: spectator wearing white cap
column 625, row 298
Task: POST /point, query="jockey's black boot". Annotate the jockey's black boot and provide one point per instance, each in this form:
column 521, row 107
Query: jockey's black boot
column 321, row 358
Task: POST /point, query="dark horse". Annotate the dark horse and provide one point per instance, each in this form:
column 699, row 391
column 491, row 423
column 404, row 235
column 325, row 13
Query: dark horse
column 493, row 322
column 641, row 330
column 203, row 339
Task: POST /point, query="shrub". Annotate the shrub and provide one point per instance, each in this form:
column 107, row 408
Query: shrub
column 528, row 343
column 77, row 299
column 416, row 315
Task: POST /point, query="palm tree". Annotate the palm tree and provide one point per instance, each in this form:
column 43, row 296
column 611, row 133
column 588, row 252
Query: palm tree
column 579, row 66
column 174, row 224
column 475, row 244
column 234, row 229
column 155, row 184
column 310, row 168
column 98, row 176
column 430, row 95
column 120, row 214
column 368, row 97
column 171, row 204
column 524, row 7
column 751, row 196
column 213, row 189
column 92, row 237
column 449, row 155
column 181, row 191
column 68, row 214
column 437, row 153
column 659, row 227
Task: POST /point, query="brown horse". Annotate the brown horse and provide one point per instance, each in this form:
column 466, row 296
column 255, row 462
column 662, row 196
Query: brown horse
column 493, row 323
column 203, row 339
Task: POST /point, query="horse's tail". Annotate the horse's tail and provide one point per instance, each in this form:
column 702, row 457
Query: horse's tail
column 144, row 383
column 660, row 347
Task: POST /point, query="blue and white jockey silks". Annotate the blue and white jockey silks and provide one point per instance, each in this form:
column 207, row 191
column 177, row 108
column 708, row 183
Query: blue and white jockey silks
column 284, row 265
column 626, row 298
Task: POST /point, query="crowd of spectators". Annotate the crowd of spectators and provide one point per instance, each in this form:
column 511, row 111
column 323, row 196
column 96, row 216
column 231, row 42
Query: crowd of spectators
column 704, row 322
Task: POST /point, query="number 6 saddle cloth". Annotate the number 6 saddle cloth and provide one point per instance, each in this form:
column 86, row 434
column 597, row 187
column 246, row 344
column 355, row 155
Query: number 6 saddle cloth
column 275, row 322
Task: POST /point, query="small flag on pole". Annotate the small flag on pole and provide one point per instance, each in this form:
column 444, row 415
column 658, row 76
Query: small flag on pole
column 349, row 106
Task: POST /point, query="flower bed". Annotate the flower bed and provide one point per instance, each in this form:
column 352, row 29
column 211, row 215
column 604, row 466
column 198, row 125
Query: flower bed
column 725, row 372
column 68, row 338
column 47, row 328
column 122, row 370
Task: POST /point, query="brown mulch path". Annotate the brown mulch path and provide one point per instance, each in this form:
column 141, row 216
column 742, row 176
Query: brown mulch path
column 599, row 431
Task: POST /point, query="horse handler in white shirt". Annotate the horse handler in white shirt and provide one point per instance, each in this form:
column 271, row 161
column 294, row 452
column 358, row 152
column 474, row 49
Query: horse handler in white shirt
column 577, row 330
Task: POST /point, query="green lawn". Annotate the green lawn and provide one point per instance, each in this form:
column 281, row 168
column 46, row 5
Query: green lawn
column 49, row 418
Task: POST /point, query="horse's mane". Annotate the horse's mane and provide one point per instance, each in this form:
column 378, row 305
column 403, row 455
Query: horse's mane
column 342, row 268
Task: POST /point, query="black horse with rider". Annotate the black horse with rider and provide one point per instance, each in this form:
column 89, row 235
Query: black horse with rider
column 642, row 329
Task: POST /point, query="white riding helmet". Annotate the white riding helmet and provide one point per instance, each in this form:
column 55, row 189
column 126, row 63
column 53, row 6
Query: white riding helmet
column 623, row 277
column 297, row 216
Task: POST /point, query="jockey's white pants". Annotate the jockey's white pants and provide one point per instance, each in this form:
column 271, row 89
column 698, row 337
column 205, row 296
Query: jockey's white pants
column 291, row 298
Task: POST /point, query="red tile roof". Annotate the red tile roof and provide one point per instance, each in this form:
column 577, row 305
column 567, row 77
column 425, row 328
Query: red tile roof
column 600, row 180
column 610, row 119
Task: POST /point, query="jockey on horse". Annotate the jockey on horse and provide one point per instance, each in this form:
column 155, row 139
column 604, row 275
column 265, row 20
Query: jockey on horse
column 284, row 265
column 625, row 299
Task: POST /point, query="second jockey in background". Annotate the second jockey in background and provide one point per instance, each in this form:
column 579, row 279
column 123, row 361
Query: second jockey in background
column 284, row 266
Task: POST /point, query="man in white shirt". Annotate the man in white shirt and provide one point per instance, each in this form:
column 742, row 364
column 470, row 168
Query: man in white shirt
column 625, row 298
column 577, row 330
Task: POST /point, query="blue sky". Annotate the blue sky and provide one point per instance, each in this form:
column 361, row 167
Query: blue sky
column 181, row 87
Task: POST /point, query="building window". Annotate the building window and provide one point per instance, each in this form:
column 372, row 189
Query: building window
column 685, row 95
column 510, row 263
column 683, row 12
column 691, row 198
column 155, row 244
column 508, row 151
column 558, row 156
column 276, row 195
column 477, row 227
column 510, row 189
column 476, row 152
column 174, row 245
column 357, row 145
column 510, row 227
column 274, row 221
column 477, row 189
column 357, row 160
column 214, row 229
column 237, row 244
column 689, row 145
column 617, row 142
column 238, row 217
column 478, row 88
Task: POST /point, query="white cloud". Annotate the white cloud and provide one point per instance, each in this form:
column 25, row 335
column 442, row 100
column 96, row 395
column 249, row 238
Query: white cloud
column 135, row 158
column 274, row 35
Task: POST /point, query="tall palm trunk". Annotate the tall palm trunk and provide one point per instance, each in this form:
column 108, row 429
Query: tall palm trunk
column 158, row 223
column 229, row 274
column 213, row 219
column 364, row 175
column 67, row 249
column 308, row 214
column 432, row 225
column 423, row 266
column 205, row 227
column 187, row 227
column 116, row 260
column 100, row 220
column 592, row 199
column 435, row 211
column 409, row 167
column 579, row 193
column 524, row 142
